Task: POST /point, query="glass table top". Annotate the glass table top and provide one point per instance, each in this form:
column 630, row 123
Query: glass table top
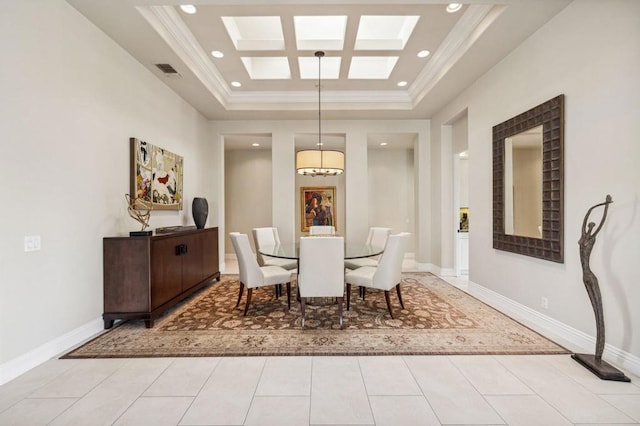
column 351, row 250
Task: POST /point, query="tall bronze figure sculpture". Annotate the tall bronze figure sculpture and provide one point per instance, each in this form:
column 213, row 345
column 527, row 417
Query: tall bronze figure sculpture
column 594, row 362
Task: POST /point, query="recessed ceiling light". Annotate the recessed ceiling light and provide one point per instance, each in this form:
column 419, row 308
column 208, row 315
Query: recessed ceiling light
column 255, row 144
column 188, row 8
column 464, row 154
column 423, row 53
column 383, row 144
column 217, row 54
column 236, row 84
column 402, row 83
column 454, row 7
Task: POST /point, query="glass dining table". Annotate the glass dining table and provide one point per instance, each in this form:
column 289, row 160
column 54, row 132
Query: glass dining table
column 292, row 251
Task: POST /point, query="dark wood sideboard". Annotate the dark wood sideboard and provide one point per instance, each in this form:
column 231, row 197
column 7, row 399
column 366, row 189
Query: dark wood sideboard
column 145, row 276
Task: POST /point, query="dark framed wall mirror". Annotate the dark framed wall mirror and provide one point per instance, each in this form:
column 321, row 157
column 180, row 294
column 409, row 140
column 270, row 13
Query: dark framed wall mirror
column 528, row 173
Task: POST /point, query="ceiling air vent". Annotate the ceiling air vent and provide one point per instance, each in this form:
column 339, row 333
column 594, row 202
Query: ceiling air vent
column 168, row 70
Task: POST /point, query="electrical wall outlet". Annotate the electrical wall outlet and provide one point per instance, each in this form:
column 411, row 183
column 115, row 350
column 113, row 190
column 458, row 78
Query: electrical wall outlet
column 544, row 302
column 32, row 243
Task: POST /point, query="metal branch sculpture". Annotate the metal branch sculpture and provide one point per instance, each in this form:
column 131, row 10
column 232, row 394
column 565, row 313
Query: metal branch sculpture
column 587, row 240
column 139, row 209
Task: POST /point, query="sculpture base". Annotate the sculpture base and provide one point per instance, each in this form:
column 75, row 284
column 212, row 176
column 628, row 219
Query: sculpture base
column 601, row 369
column 140, row 233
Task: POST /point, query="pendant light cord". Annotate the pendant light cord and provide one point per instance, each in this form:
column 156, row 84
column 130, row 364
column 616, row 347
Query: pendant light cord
column 319, row 55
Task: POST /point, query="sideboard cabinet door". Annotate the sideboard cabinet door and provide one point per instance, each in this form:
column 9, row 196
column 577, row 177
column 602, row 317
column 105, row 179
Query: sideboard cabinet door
column 192, row 271
column 166, row 271
column 210, row 265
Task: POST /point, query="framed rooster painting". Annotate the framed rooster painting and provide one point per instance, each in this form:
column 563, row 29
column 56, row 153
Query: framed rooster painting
column 156, row 176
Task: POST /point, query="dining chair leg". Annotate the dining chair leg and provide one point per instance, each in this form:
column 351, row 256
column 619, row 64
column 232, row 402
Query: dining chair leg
column 278, row 290
column 246, row 307
column 386, row 296
column 348, row 295
column 240, row 294
column 340, row 311
column 362, row 291
column 288, row 295
column 399, row 295
column 302, row 304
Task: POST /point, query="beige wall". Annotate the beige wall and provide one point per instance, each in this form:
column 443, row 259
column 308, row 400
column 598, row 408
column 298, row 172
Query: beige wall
column 247, row 180
column 460, row 141
column 391, row 183
column 391, row 187
column 463, row 182
column 602, row 94
column 354, row 217
column 71, row 99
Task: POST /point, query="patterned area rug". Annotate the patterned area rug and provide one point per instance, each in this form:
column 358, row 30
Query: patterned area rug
column 438, row 319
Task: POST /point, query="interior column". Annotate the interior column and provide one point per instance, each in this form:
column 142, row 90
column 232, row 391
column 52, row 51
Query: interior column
column 283, row 173
column 357, row 187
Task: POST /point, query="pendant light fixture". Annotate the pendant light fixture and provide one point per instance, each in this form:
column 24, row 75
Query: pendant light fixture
column 319, row 162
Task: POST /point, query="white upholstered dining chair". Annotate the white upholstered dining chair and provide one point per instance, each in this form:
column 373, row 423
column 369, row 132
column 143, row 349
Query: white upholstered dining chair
column 253, row 275
column 386, row 275
column 322, row 230
column 378, row 238
column 321, row 270
column 268, row 236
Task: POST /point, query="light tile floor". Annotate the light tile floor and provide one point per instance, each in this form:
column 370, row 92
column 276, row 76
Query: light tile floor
column 392, row 390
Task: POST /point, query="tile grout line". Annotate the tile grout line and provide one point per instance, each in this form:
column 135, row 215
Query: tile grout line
column 422, row 390
column 193, row 400
column 366, row 392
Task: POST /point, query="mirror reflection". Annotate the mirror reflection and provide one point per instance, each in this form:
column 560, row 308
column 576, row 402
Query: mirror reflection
column 523, row 184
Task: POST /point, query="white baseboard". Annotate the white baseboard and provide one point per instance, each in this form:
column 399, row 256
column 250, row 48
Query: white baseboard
column 448, row 272
column 439, row 271
column 428, row 267
column 20, row 365
column 573, row 339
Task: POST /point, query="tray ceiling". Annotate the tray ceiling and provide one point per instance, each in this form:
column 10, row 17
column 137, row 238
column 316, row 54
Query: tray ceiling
column 247, row 59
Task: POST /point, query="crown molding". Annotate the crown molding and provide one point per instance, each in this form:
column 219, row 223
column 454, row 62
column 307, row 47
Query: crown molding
column 172, row 29
column 474, row 22
column 331, row 100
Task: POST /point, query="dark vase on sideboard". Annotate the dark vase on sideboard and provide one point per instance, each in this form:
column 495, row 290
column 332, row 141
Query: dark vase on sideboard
column 200, row 210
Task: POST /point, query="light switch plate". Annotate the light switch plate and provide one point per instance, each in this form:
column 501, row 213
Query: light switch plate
column 32, row 243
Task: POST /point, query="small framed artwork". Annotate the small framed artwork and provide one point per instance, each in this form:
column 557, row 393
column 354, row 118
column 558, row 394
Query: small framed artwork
column 156, row 176
column 464, row 219
column 317, row 207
